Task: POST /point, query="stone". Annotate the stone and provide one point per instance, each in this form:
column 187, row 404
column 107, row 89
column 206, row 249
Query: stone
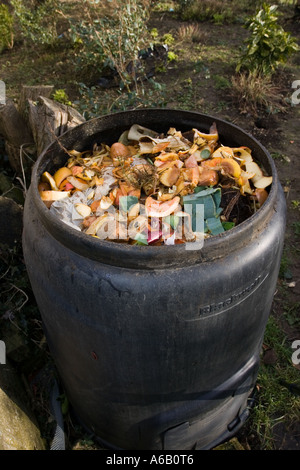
column 18, row 426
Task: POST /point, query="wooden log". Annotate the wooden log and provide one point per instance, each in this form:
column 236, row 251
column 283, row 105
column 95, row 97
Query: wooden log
column 20, row 158
column 16, row 134
column 49, row 119
column 27, row 131
column 32, row 93
column 12, row 126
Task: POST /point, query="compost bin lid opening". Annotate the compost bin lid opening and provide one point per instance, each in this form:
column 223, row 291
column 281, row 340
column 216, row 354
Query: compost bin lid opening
column 107, row 129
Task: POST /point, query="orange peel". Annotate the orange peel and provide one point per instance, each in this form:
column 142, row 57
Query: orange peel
column 61, row 174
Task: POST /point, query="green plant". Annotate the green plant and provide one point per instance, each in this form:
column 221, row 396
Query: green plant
column 285, row 263
column 17, row 308
column 218, row 11
column 61, row 96
column 281, row 157
column 268, row 45
column 296, row 227
column 154, row 96
column 37, row 24
column 6, row 28
column 186, row 94
column 113, row 42
column 182, row 5
column 191, row 32
column 295, row 204
column 291, row 313
column 218, row 18
column 221, row 82
column 168, row 39
column 154, row 33
column 254, row 91
column 92, row 103
column 172, row 57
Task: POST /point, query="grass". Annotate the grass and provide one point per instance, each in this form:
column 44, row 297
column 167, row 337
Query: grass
column 296, row 228
column 54, row 66
column 216, row 11
column 253, row 91
column 191, row 32
column 276, row 401
column 219, row 53
column 291, row 314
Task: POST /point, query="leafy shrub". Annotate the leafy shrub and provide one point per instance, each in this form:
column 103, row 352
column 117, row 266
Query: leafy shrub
column 93, row 103
column 113, row 42
column 205, row 10
column 268, row 44
column 6, row 28
column 182, row 5
column 37, row 24
column 217, row 11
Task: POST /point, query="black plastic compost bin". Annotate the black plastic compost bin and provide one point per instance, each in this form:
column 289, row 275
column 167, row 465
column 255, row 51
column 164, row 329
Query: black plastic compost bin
column 156, row 347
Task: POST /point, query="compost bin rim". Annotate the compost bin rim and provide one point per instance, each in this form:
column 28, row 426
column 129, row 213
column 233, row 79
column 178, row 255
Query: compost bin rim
column 150, row 257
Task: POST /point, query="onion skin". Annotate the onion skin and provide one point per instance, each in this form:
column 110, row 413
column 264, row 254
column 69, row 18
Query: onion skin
column 261, row 195
column 119, row 151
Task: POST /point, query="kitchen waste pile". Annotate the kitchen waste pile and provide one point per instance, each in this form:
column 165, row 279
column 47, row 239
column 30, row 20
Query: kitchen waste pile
column 154, row 189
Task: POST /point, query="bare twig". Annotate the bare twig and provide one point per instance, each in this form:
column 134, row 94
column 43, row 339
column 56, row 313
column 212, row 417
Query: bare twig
column 17, row 289
column 231, row 205
column 4, row 274
column 58, row 141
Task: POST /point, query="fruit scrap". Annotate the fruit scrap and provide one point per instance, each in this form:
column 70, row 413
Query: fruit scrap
column 134, row 191
column 61, row 174
column 54, row 195
column 261, row 195
column 161, row 209
column 47, row 178
column 230, row 167
column 83, row 209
